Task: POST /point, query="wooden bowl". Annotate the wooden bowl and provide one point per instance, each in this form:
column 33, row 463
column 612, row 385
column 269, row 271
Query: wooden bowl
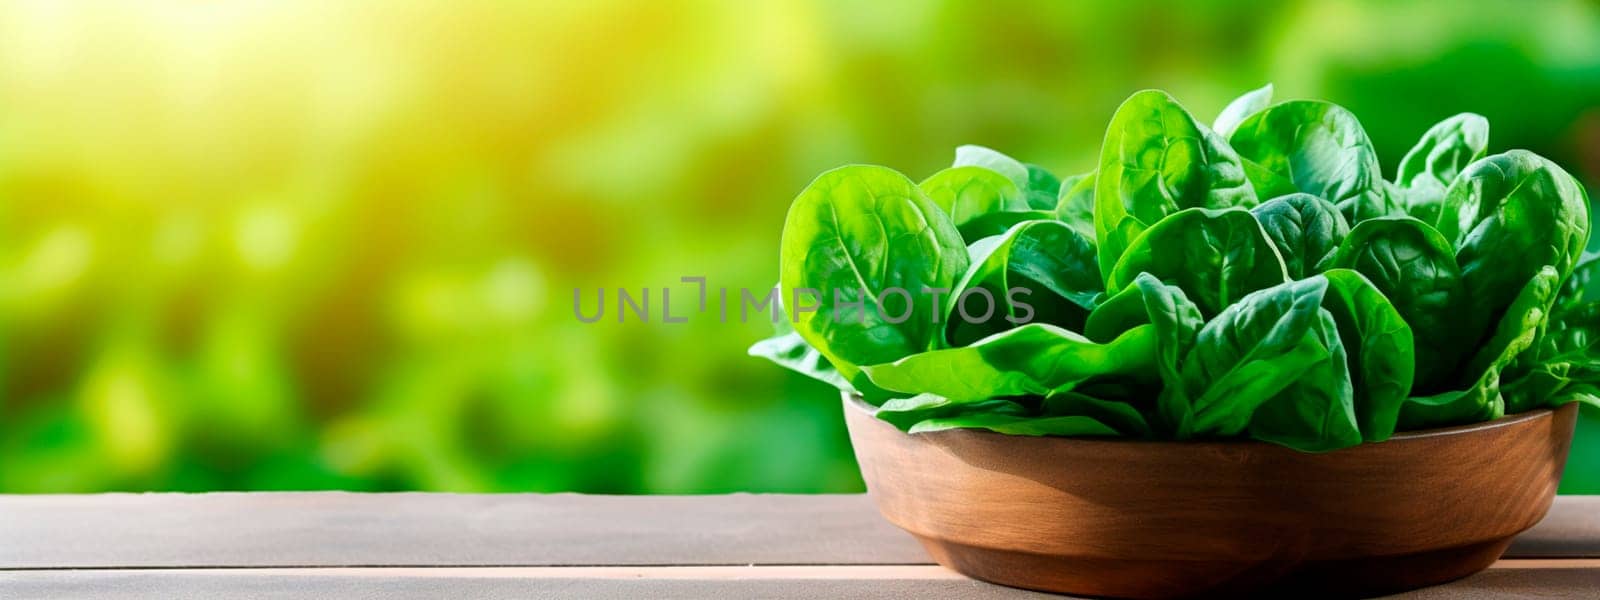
column 1140, row 519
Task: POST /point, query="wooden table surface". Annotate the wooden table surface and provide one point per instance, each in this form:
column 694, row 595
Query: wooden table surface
column 341, row 545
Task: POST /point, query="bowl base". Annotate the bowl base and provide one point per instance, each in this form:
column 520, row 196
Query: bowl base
column 1150, row 519
column 1116, row 578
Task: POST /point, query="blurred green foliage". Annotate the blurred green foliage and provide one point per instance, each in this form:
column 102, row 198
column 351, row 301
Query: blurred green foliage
column 298, row 246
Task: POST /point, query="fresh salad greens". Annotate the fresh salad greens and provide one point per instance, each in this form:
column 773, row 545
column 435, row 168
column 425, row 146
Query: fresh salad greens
column 1257, row 277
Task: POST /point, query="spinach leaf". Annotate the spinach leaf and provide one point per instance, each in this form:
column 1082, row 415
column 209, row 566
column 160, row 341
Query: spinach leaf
column 1566, row 363
column 1414, row 267
column 1241, row 108
column 791, row 351
column 1554, row 384
column 1065, row 414
column 1075, row 206
column 971, row 193
column 1156, row 161
column 1071, row 181
column 1121, row 416
column 855, row 235
column 994, row 224
column 1267, row 183
column 1327, row 316
column 1073, row 426
column 1216, row 256
column 1305, row 229
column 1517, row 328
column 1034, row 359
column 1147, row 300
column 979, row 156
column 1045, row 264
column 1481, row 401
column 1582, row 286
column 1341, row 381
column 1043, row 188
column 1316, row 411
column 788, row 350
column 1322, row 149
column 1480, row 398
column 1379, row 345
column 1253, row 350
column 1429, row 168
column 1037, row 185
column 1176, row 322
column 905, row 413
column 1508, row 216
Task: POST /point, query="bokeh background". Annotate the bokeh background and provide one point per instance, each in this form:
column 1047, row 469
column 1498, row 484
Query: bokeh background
column 307, row 245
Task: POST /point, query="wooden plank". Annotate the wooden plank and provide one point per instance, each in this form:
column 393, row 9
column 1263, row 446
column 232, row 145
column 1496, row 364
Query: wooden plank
column 1514, row 583
column 1546, row 563
column 702, row 572
column 344, row 529
column 294, row 584
column 777, row 582
column 1571, row 530
column 698, row 573
column 341, row 529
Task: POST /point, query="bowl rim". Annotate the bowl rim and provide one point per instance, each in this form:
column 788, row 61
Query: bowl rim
column 854, row 401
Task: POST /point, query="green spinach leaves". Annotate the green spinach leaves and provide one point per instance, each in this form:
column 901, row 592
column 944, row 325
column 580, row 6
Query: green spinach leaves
column 1157, row 160
column 1254, row 278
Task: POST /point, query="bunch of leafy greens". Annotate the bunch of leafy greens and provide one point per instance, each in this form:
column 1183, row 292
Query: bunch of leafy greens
column 1257, row 277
